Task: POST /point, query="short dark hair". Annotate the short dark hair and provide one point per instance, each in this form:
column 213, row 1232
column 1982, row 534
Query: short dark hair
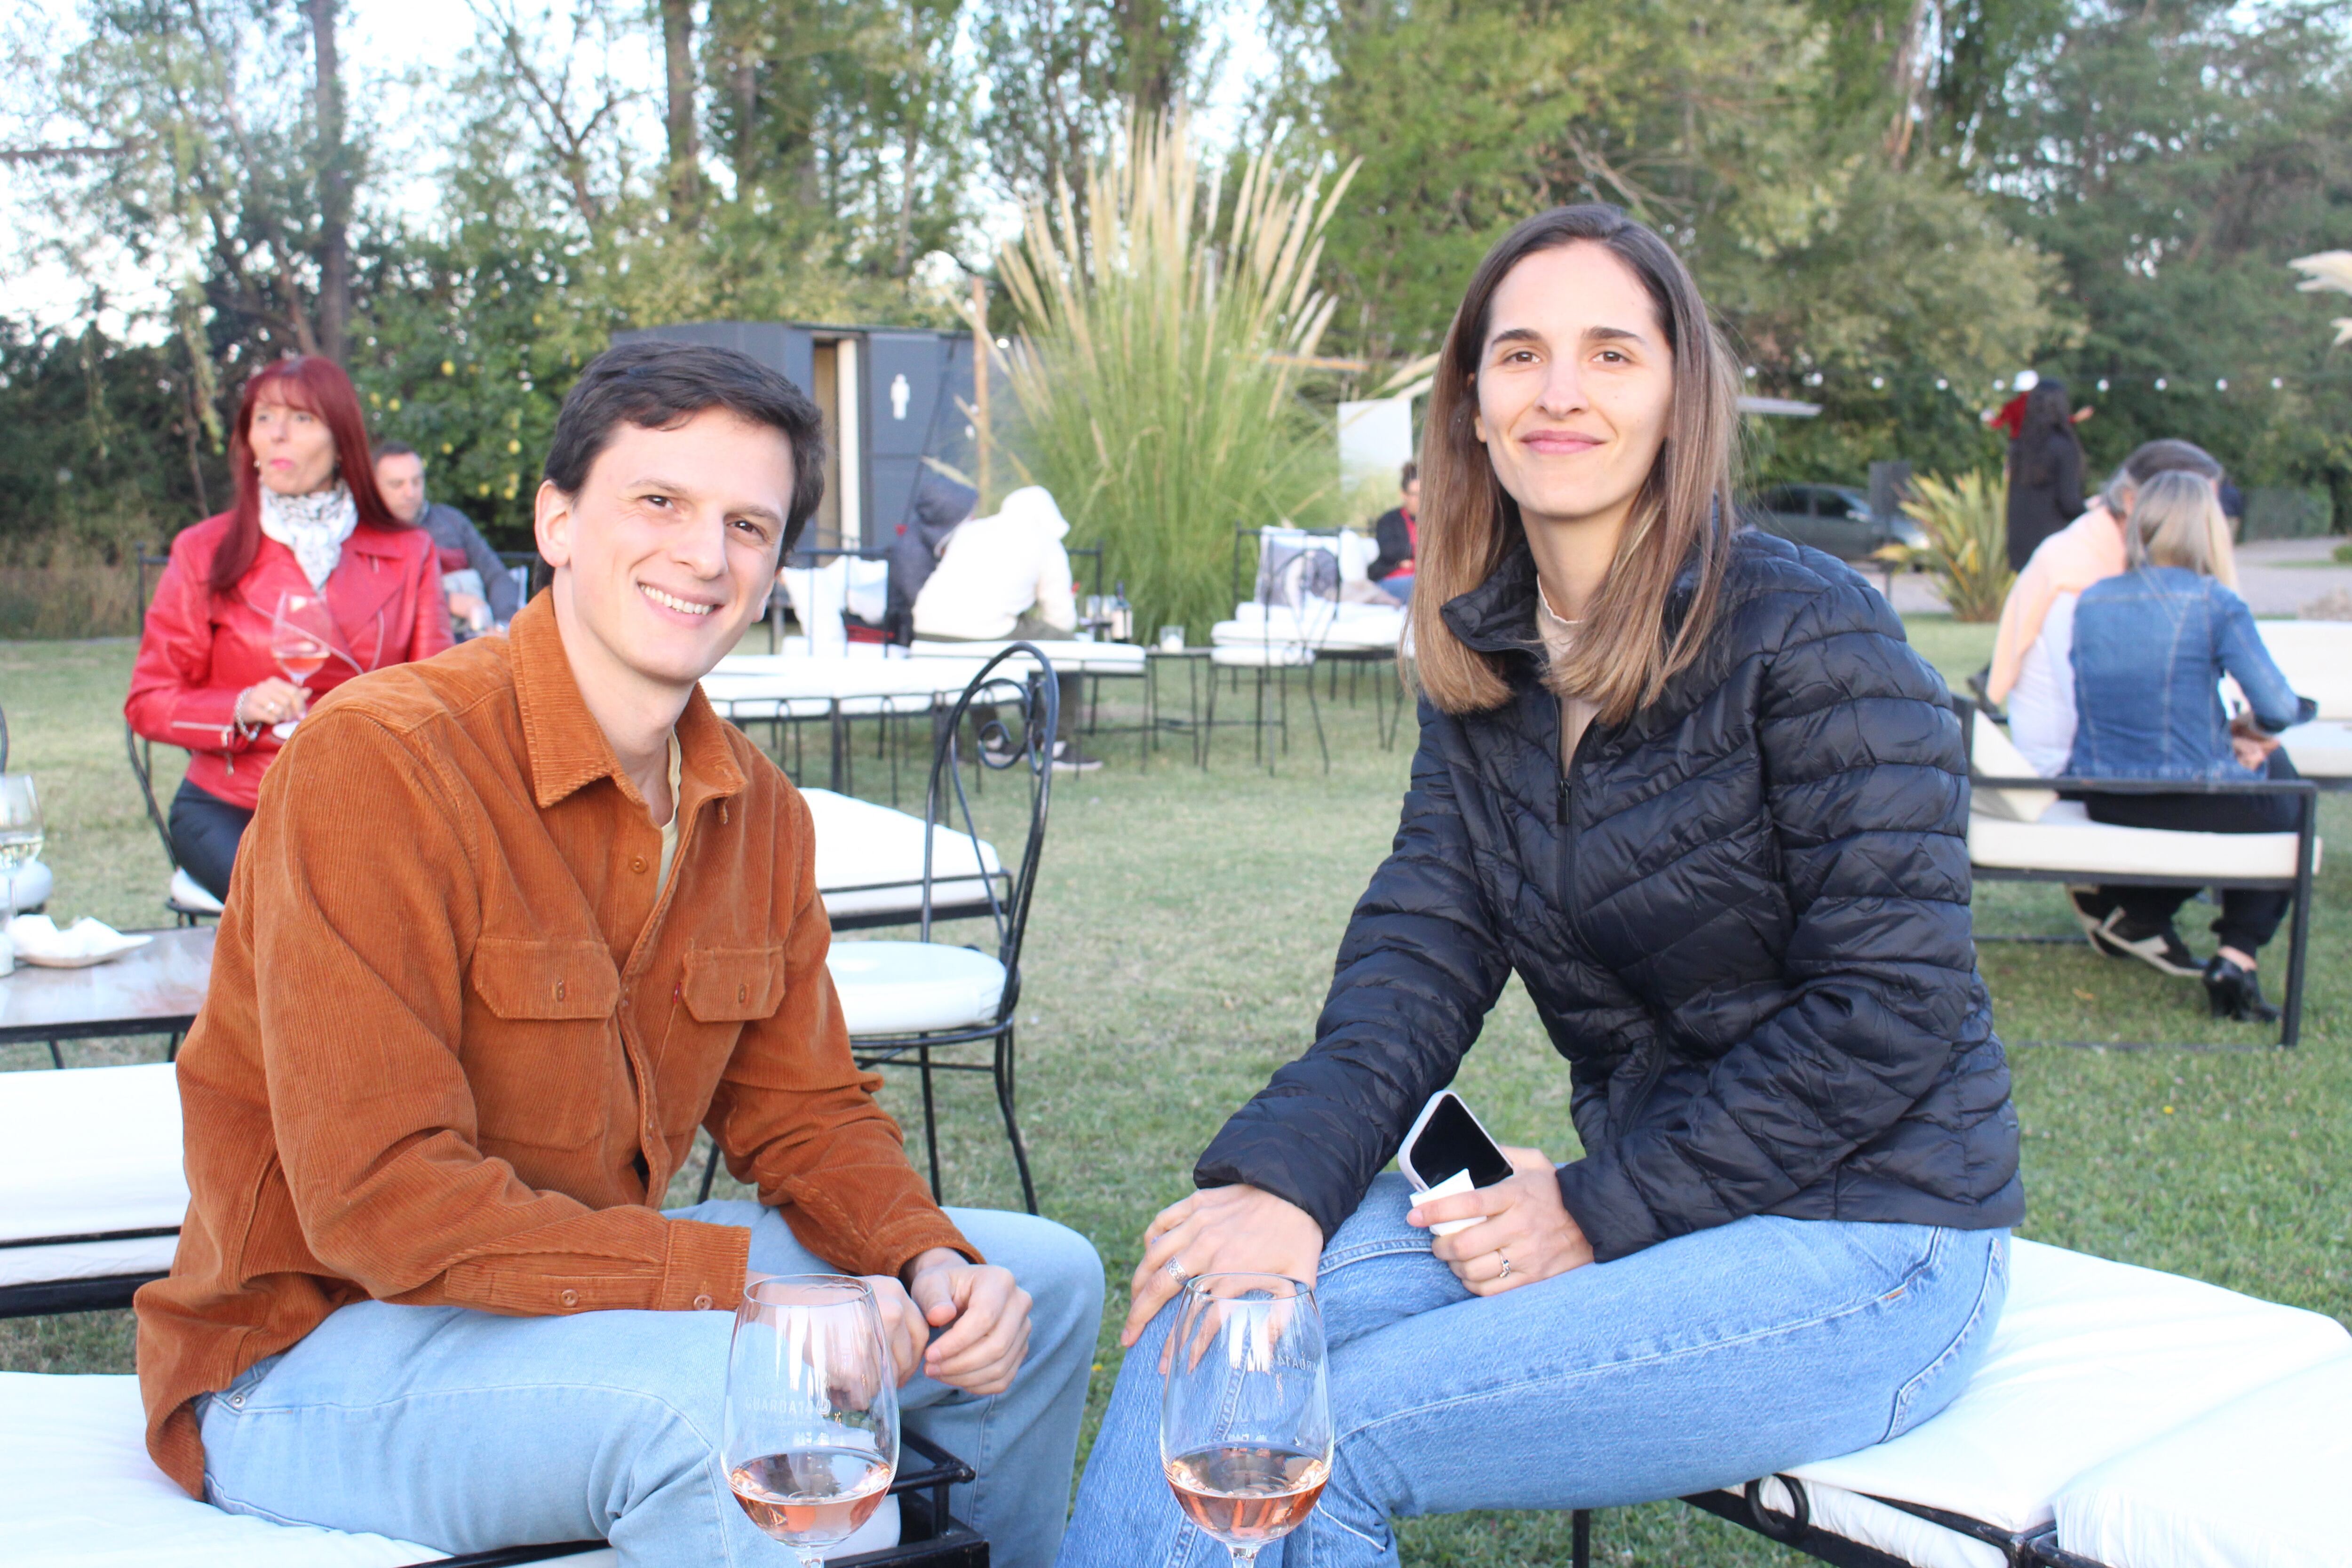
column 659, row 386
column 396, row 449
column 1411, row 472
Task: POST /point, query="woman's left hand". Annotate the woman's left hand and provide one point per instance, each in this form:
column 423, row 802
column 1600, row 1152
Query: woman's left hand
column 1522, row 1221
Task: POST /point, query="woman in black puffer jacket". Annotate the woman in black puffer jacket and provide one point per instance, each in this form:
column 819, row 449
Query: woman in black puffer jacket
column 1694, row 789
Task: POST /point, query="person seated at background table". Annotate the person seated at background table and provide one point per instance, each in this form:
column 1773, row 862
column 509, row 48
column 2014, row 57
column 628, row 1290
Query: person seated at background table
column 2031, row 675
column 2150, row 648
column 449, row 1063
column 1007, row 576
column 1692, row 787
column 1397, row 532
column 481, row 592
column 942, row 506
column 308, row 520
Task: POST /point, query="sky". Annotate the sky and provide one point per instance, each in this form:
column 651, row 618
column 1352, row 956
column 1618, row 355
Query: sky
column 400, row 42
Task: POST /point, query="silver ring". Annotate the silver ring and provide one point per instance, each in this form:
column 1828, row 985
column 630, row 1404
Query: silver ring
column 1176, row 1272
column 1505, row 1274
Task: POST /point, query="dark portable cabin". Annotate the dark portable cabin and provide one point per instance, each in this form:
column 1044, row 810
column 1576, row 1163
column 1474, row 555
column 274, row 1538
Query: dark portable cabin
column 892, row 397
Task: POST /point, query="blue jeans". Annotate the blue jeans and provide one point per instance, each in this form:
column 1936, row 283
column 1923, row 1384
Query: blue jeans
column 1702, row 1361
column 465, row 1431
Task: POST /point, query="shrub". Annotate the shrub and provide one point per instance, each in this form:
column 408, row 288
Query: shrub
column 1966, row 523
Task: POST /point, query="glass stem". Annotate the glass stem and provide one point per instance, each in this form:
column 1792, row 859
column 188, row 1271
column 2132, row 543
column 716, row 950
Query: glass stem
column 1244, row 1556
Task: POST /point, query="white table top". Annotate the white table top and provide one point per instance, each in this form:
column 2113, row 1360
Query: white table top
column 1068, row 654
column 768, row 677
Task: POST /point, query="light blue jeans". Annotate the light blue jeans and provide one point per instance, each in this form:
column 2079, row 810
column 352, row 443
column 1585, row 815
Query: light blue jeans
column 1702, row 1361
column 465, row 1431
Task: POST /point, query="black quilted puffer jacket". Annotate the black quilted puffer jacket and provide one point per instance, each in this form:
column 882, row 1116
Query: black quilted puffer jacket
column 1743, row 917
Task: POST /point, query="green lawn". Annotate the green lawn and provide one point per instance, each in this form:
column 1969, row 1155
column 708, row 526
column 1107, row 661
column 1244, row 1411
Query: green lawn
column 1179, row 951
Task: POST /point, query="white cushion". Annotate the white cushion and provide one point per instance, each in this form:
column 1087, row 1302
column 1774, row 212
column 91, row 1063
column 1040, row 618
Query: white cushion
column 1261, row 655
column 903, row 988
column 2066, row 839
column 1322, row 623
column 2315, row 657
column 2321, row 749
column 2091, row 1359
column 1905, row 1537
column 1992, row 754
column 187, row 893
column 869, row 859
column 89, row 1149
column 2261, row 1480
column 82, row 1493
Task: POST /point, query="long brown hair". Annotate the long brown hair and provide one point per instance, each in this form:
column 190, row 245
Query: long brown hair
column 317, row 386
column 1469, row 523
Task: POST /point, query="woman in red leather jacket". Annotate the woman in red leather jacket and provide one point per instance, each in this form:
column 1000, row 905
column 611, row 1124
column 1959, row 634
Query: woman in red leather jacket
column 308, row 520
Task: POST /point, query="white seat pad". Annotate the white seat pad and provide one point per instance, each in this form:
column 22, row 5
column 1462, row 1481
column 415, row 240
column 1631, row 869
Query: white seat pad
column 2064, row 838
column 1261, row 655
column 1901, row 1536
column 903, row 988
column 869, row 859
column 2315, row 657
column 2321, row 749
column 2091, row 1359
column 2263, row 1480
column 186, row 893
column 89, row 1149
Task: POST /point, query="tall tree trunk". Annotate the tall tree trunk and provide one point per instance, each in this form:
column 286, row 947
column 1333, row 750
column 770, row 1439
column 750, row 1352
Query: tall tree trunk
column 1907, row 75
column 685, row 162
column 334, row 188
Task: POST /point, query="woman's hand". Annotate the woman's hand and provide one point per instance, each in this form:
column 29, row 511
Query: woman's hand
column 1237, row 1229
column 2251, row 743
column 1522, row 1220
column 271, row 701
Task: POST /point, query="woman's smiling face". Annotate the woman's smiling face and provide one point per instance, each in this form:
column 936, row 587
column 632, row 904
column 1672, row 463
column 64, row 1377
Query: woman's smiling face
column 1575, row 384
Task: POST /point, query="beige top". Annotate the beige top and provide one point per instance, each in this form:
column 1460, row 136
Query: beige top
column 1575, row 712
column 670, row 828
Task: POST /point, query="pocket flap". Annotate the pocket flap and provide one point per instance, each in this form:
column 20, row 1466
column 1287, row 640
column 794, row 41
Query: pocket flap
column 519, row 977
column 729, row 984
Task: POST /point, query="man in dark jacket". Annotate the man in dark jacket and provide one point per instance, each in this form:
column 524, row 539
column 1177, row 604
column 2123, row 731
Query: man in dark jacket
column 942, row 506
column 400, row 474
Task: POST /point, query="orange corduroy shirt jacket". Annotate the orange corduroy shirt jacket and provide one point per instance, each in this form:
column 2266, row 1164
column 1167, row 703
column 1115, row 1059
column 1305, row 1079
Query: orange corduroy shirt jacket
column 457, row 1041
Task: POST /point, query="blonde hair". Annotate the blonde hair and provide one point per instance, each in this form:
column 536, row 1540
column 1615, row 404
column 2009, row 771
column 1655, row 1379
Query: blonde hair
column 1684, row 514
column 2177, row 521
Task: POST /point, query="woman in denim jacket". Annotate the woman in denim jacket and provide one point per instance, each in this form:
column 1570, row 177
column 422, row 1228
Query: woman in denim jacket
column 2150, row 648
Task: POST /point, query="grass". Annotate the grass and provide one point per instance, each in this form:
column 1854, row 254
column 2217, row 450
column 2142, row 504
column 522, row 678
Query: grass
column 1182, row 945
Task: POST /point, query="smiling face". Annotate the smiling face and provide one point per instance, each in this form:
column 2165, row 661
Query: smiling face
column 1574, row 387
column 292, row 448
column 666, row 554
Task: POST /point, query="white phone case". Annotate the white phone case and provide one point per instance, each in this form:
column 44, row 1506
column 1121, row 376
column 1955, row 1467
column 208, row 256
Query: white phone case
column 1459, row 1182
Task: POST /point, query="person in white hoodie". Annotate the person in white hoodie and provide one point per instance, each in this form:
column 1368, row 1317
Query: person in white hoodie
column 1007, row 576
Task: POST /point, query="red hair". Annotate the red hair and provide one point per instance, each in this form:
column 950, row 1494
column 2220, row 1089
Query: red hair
column 317, row 386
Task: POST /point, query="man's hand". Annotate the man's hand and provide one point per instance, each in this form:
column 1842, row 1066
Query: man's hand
column 986, row 1316
column 1220, row 1230
column 1522, row 1220
column 471, row 609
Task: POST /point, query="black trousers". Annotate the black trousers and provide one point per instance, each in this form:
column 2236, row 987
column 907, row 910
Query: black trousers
column 2249, row 916
column 206, row 831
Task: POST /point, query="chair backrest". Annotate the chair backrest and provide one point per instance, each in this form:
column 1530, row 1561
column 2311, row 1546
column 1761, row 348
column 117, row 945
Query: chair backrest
column 1027, row 746
column 819, row 595
column 143, row 768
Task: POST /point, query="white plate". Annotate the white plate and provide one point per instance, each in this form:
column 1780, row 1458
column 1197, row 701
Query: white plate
column 85, row 942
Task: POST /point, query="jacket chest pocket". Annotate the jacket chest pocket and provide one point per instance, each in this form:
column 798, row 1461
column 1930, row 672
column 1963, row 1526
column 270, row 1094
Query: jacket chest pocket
column 733, row 984
column 545, row 1068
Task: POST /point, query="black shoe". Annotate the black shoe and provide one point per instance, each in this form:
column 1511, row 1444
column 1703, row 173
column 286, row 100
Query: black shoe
column 2158, row 947
column 2235, row 993
column 2090, row 907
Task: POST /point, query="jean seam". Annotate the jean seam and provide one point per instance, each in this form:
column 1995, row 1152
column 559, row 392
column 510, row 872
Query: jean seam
column 1396, row 1247
column 1908, row 1394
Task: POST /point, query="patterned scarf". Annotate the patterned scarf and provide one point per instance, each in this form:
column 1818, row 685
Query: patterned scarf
column 314, row 526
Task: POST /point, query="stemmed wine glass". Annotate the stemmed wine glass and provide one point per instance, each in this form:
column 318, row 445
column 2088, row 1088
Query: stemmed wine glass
column 1246, row 1419
column 20, row 827
column 301, row 634
column 812, row 1426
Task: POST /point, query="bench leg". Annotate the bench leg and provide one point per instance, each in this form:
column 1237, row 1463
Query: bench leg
column 1580, row 1538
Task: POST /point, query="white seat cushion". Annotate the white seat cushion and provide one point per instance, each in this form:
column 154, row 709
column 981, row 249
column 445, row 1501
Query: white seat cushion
column 2321, row 749
column 1994, row 755
column 869, row 859
column 2066, row 839
column 2091, row 1360
column 187, row 894
column 2315, row 657
column 904, row 987
column 2261, row 1480
column 1261, row 655
column 89, row 1149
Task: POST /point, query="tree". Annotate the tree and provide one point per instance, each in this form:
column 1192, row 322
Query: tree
column 1064, row 75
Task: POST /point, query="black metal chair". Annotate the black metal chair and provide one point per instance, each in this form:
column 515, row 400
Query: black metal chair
column 190, row 902
column 1002, row 897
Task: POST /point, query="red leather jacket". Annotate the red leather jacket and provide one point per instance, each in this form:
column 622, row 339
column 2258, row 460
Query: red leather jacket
column 198, row 651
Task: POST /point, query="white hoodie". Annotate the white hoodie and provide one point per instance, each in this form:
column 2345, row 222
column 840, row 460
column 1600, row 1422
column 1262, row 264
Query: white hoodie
column 995, row 568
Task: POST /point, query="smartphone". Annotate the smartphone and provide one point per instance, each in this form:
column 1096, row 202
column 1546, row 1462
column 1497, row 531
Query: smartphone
column 1448, row 1152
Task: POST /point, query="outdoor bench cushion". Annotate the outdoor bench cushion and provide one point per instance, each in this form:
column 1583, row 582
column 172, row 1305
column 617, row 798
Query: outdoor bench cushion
column 875, row 855
column 2263, row 1480
column 2064, row 838
column 2315, row 657
column 2092, row 1360
column 87, row 1151
column 2321, row 749
column 907, row 987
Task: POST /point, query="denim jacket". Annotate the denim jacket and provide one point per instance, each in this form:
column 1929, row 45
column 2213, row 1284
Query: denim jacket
column 2150, row 648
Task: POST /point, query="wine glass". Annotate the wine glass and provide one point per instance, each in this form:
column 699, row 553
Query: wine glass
column 812, row 1426
column 20, row 825
column 1246, row 1419
column 301, row 634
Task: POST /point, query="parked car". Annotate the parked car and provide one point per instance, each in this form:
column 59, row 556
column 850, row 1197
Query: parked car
column 1835, row 517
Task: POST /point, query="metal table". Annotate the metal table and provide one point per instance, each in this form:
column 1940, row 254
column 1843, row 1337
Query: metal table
column 778, row 688
column 157, row 989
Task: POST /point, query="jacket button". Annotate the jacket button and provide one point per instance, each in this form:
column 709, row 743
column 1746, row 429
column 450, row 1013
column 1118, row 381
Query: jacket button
column 743, row 993
column 636, row 863
column 570, row 1298
column 702, row 1303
